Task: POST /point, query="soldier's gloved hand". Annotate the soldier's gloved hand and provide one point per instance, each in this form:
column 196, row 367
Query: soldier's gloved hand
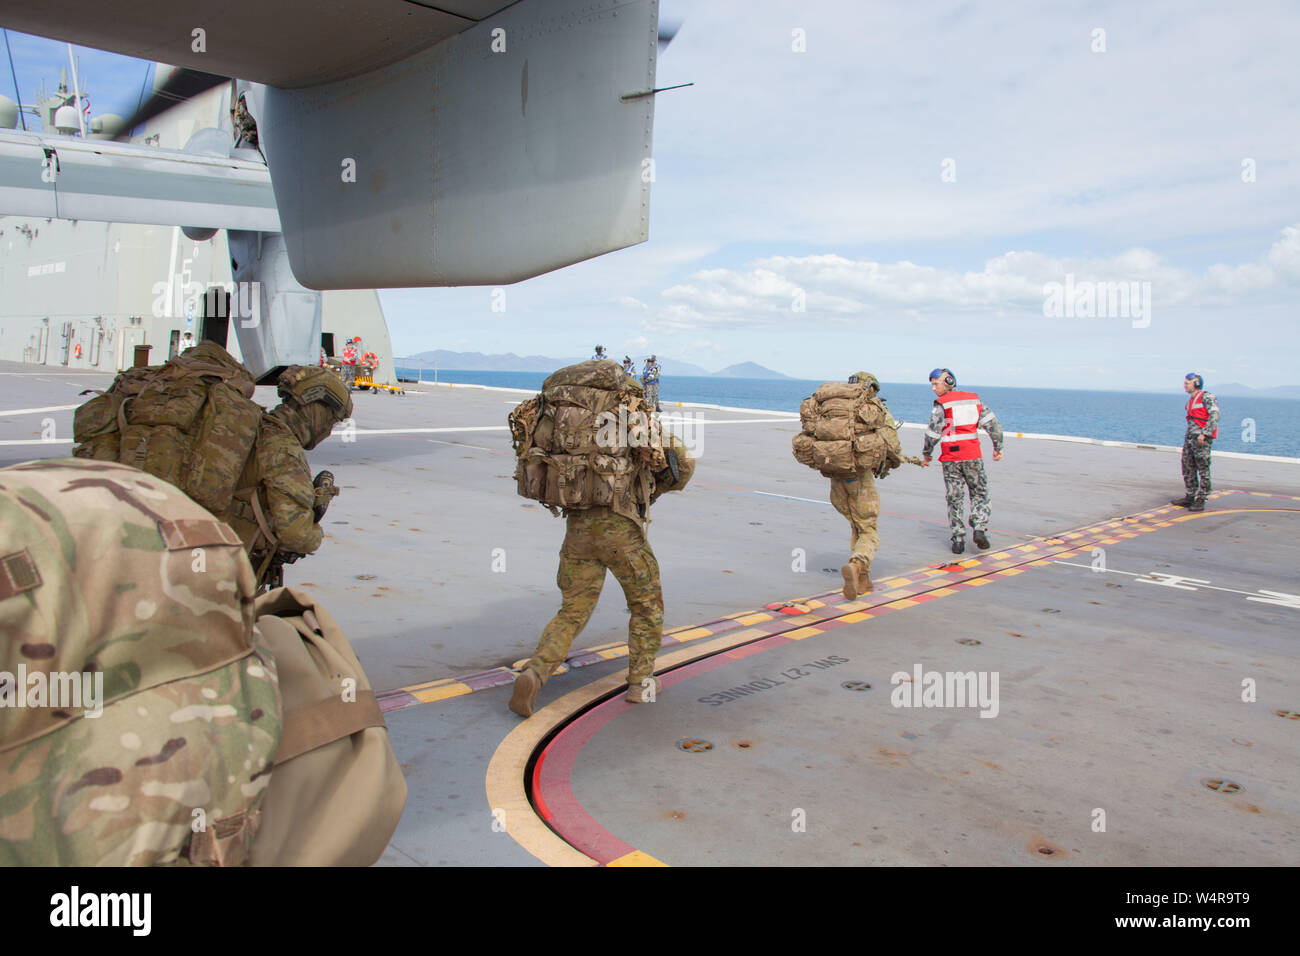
column 325, row 491
column 882, row 470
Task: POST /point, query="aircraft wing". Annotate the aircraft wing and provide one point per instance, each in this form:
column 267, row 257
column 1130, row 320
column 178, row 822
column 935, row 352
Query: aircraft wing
column 473, row 144
column 60, row 177
column 283, row 43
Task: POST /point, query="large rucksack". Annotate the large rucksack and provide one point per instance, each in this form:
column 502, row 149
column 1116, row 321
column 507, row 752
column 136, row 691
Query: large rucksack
column 114, row 581
column 190, row 422
column 229, row 731
column 337, row 790
column 847, row 431
column 588, row 440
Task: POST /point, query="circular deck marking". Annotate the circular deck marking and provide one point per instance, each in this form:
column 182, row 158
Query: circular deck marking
column 694, row 745
column 555, row 734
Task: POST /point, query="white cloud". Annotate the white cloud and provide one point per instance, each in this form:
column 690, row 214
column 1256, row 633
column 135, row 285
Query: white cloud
column 836, row 289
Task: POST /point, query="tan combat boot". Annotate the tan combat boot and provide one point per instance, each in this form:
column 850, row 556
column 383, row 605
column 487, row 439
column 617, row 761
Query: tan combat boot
column 640, row 694
column 856, row 580
column 527, row 684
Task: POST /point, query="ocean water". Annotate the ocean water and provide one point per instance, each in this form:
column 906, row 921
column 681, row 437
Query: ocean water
column 1261, row 426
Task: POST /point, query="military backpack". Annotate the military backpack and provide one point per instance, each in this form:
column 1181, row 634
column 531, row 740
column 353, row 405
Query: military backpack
column 589, row 440
column 847, row 431
column 152, row 710
column 191, row 422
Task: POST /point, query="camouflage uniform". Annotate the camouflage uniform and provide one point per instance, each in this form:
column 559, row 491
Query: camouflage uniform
column 277, row 475
column 256, row 455
column 961, row 476
column 650, row 379
column 1196, row 455
column 596, row 539
column 108, row 570
column 858, row 500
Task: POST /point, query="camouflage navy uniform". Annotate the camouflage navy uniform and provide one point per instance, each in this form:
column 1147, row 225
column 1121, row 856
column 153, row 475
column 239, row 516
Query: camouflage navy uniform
column 650, row 379
column 1196, row 454
column 962, row 476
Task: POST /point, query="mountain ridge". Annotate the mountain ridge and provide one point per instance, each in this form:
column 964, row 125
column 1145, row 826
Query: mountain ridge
column 510, row 362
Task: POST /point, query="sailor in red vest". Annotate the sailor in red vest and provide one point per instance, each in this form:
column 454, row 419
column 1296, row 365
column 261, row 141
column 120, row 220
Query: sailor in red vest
column 1202, row 429
column 349, row 362
column 954, row 425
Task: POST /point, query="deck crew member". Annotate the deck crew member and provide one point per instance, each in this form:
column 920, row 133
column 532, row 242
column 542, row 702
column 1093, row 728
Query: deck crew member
column 349, row 363
column 955, row 423
column 629, row 367
column 650, row 381
column 1202, row 429
column 599, row 353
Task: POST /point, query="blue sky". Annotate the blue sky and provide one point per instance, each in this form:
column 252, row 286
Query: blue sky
column 822, row 173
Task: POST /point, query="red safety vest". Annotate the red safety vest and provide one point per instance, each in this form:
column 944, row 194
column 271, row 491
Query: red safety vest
column 962, row 412
column 1197, row 412
column 349, row 355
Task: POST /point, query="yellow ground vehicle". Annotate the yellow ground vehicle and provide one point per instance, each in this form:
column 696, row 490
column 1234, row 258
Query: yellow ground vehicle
column 361, row 375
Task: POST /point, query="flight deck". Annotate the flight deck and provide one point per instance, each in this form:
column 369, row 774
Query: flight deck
column 1129, row 669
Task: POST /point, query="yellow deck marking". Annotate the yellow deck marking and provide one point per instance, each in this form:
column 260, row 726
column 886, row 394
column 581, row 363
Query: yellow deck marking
column 801, row 633
column 636, row 858
column 433, row 694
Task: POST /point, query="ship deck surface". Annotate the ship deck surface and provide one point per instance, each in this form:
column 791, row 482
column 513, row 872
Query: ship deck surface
column 1116, row 692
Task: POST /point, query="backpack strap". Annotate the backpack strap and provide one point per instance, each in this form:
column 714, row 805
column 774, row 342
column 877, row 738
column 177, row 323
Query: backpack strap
column 325, row 721
column 264, row 530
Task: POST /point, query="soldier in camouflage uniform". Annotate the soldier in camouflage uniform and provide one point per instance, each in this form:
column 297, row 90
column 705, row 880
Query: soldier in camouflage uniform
column 242, row 463
column 857, row 499
column 277, row 507
column 1202, row 429
column 597, row 539
column 109, row 574
column 954, row 424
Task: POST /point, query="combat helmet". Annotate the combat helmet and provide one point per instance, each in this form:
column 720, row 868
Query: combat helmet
column 865, row 378
column 318, row 395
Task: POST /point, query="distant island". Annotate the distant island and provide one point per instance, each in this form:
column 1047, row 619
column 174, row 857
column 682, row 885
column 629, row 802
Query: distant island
column 1246, row 391
column 510, row 362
